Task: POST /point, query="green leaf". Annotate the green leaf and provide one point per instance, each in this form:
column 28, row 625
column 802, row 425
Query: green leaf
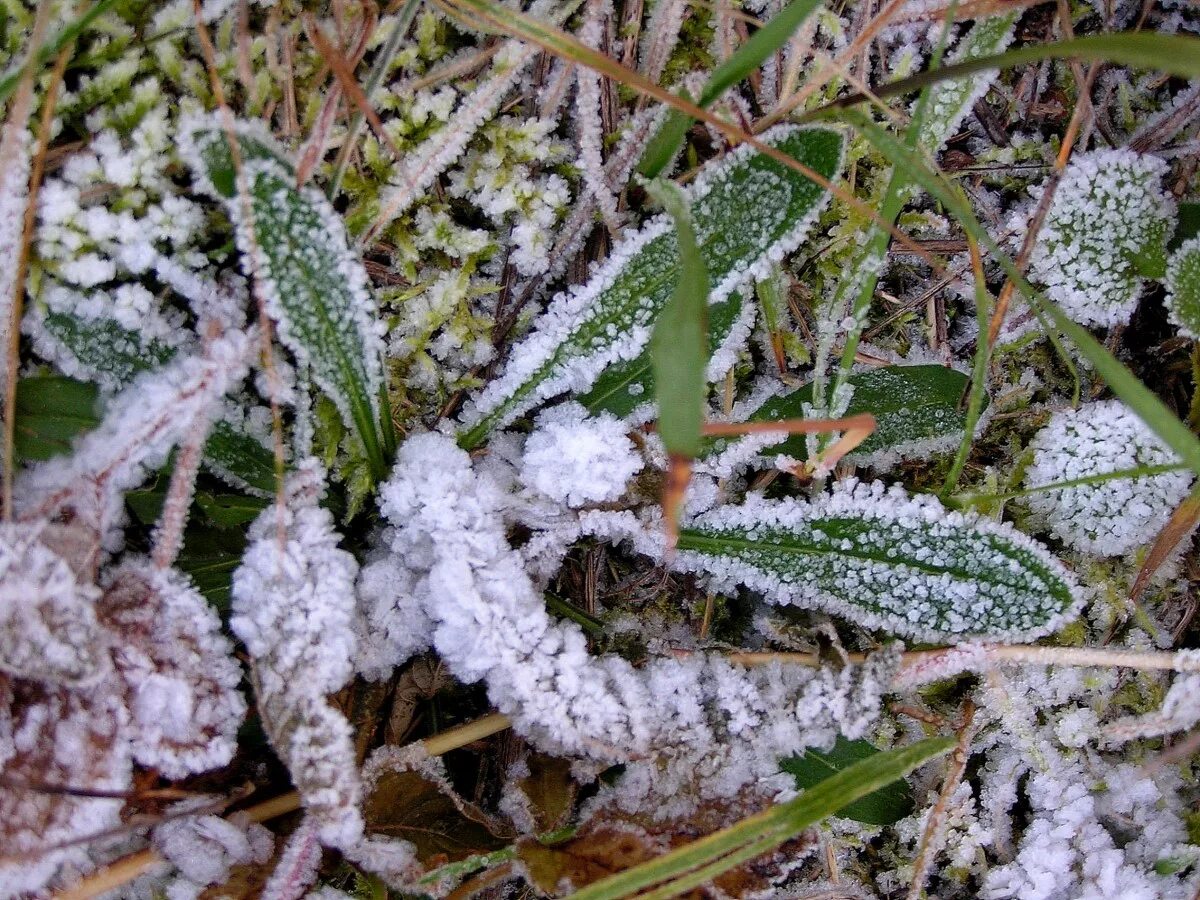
column 313, row 286
column 885, row 806
column 679, row 344
column 51, row 412
column 699, row 862
column 230, row 510
column 887, row 561
column 744, row 61
column 916, row 411
column 1183, row 288
column 116, row 355
column 747, row 209
column 628, row 386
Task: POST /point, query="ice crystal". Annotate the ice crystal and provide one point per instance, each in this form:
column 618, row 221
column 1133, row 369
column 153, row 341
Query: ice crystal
column 48, row 628
column 578, row 460
column 180, row 677
column 292, row 608
column 204, row 848
column 707, row 726
column 1107, row 518
column 887, row 560
column 1106, row 229
column 1183, row 288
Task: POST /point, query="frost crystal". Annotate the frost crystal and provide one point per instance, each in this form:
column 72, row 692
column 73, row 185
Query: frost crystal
column 1183, row 288
column 681, row 725
column 577, row 460
column 293, row 607
column 1106, row 229
column 178, row 668
column 48, row 628
column 1112, row 517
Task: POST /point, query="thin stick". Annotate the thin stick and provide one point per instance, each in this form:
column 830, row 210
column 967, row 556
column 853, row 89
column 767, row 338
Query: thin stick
column 133, row 866
column 10, row 152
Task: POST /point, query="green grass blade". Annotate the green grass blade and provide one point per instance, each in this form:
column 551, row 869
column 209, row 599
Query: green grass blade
column 748, row 57
column 700, row 861
column 679, row 344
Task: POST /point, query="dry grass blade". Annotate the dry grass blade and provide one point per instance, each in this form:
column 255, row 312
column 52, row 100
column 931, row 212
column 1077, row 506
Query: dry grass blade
column 1178, row 527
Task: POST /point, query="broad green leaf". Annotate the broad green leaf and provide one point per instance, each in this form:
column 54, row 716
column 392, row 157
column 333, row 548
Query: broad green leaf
column 51, row 412
column 916, row 408
column 313, row 286
column 628, row 386
column 679, row 343
column 885, row 806
column 1123, row 383
column 747, row 209
column 699, row 862
column 115, row 356
column 114, row 353
column 1183, row 288
column 744, row 61
column 887, row 561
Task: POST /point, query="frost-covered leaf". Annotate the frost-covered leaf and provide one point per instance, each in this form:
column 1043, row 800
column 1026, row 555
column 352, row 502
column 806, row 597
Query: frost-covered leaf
column 1111, row 517
column 293, row 602
column 916, row 411
column 180, row 675
column 887, row 805
column 48, row 629
column 1183, row 288
column 1106, row 230
column 628, row 387
column 105, row 351
column 749, row 211
column 314, row 287
column 885, row 560
column 51, row 412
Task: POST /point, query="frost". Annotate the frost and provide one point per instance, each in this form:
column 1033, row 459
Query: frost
column 886, row 560
column 1106, row 228
column 48, row 628
column 1107, row 518
column 205, row 848
column 711, row 726
column 293, row 599
column 1180, row 710
column 1183, row 288
column 577, row 460
column 180, row 676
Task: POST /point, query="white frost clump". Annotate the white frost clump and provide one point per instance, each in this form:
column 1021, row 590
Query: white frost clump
column 1107, row 518
column 1105, row 229
column 576, row 459
column 293, row 604
column 205, row 848
column 683, row 727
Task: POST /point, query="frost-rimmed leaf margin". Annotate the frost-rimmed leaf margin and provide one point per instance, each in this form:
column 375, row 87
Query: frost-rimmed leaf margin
column 915, row 408
column 580, row 335
column 627, row 389
column 1183, row 288
column 104, row 352
column 313, row 286
column 886, row 560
